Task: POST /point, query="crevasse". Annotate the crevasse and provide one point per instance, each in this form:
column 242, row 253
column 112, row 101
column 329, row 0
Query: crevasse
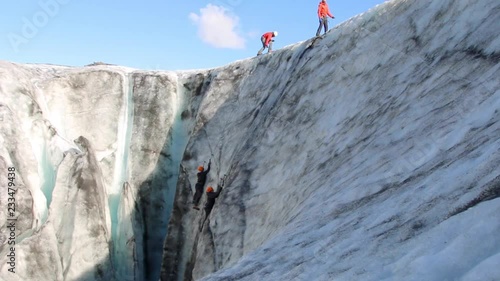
column 47, row 172
column 179, row 136
column 121, row 163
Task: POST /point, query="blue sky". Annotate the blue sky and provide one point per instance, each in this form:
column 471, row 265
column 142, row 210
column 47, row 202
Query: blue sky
column 156, row 34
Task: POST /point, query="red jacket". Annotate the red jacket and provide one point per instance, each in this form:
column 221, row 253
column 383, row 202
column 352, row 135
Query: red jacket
column 323, row 10
column 268, row 36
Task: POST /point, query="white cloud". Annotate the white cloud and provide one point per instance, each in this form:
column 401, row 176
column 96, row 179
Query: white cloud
column 218, row 27
column 254, row 34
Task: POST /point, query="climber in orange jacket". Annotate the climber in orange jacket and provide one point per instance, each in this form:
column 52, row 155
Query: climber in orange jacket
column 267, row 42
column 323, row 14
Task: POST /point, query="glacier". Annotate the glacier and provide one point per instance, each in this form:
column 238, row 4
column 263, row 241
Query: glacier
column 371, row 154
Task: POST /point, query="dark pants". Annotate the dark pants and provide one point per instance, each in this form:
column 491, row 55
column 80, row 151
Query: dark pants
column 207, row 211
column 197, row 194
column 269, row 47
column 323, row 22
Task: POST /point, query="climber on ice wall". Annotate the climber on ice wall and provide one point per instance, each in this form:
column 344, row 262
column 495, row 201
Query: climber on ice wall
column 323, row 14
column 211, row 196
column 267, row 42
column 202, row 178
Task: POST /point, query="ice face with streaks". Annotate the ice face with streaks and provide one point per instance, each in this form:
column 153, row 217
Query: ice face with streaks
column 371, row 154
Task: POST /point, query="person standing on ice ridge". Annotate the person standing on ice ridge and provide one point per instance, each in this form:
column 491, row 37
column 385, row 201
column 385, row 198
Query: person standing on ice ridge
column 202, row 179
column 267, row 42
column 323, row 14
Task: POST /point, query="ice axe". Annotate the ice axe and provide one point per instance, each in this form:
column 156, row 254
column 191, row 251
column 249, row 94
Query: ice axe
column 223, row 179
column 204, row 162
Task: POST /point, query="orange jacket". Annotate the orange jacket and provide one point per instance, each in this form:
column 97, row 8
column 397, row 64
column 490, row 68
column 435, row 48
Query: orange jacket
column 268, row 36
column 323, row 10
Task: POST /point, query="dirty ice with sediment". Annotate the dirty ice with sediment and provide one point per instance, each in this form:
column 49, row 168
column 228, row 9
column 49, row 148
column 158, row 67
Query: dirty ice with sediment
column 371, row 154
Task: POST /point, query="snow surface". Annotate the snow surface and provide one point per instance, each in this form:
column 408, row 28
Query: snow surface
column 371, row 154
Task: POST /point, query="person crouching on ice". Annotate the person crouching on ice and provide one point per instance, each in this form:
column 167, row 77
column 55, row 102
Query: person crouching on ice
column 267, row 42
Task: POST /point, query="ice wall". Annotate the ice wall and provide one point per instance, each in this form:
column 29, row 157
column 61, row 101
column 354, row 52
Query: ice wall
column 345, row 153
column 371, row 154
column 127, row 118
